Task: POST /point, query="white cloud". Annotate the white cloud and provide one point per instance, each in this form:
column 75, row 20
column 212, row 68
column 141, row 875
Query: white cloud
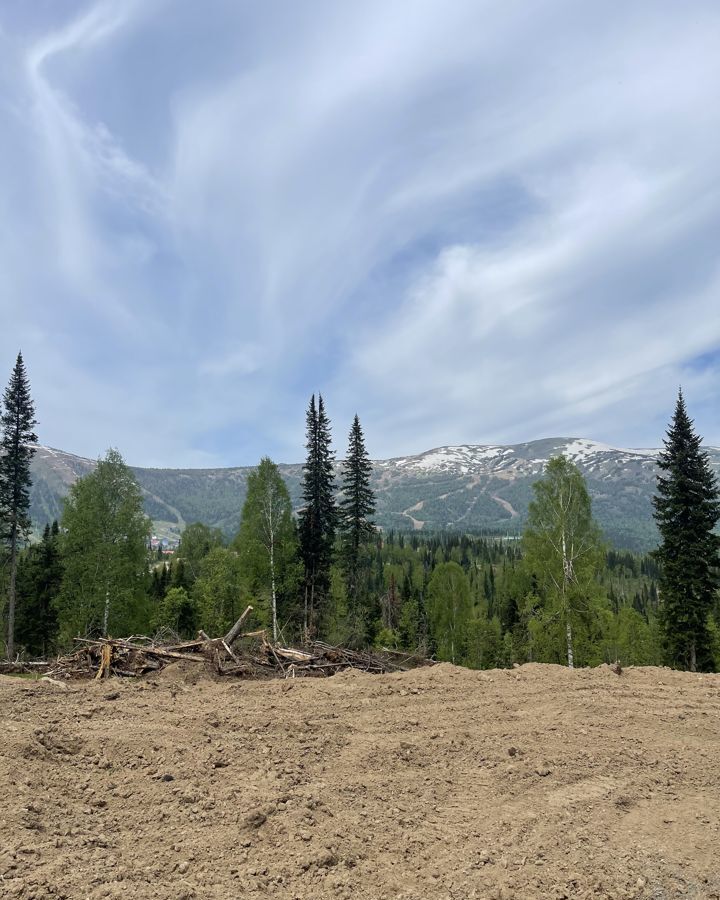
column 466, row 222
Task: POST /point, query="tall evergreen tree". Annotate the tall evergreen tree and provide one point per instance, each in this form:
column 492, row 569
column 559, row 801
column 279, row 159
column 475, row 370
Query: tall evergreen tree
column 356, row 508
column 318, row 517
column 687, row 508
column 16, row 452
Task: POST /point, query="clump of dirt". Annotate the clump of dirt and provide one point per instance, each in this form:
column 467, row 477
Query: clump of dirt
column 534, row 782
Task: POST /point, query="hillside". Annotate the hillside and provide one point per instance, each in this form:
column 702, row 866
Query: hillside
column 520, row 784
column 469, row 487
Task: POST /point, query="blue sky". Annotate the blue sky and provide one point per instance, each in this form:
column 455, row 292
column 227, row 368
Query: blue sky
column 467, row 221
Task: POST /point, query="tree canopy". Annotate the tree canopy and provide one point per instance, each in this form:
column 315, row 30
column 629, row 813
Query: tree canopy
column 357, row 530
column 318, row 518
column 687, row 509
column 17, row 439
column 104, row 540
column 563, row 552
column 449, row 609
column 267, row 545
column 196, row 541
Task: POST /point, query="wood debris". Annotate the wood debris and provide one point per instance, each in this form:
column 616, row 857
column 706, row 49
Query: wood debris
column 249, row 655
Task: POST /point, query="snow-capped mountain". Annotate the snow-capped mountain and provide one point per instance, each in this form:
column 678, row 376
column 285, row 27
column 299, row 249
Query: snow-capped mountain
column 470, row 487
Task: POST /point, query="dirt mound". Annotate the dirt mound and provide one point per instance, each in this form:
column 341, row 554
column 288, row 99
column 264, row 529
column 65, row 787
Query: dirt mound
column 180, row 672
column 535, row 782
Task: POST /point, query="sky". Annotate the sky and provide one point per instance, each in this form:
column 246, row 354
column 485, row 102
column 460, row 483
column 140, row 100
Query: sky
column 465, row 221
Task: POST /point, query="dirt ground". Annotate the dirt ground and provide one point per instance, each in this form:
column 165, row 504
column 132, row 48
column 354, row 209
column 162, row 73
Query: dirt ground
column 438, row 783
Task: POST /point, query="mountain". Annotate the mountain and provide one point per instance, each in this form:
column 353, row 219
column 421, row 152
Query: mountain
column 470, row 487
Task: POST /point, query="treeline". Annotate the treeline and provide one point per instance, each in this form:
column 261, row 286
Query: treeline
column 557, row 595
column 305, row 576
column 467, row 599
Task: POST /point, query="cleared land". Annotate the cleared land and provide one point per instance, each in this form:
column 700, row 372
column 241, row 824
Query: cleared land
column 535, row 782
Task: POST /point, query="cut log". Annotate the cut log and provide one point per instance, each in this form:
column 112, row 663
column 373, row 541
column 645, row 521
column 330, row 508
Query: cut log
column 170, row 654
column 294, row 655
column 234, row 632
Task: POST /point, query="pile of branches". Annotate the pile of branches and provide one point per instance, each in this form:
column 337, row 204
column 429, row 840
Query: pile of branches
column 248, row 654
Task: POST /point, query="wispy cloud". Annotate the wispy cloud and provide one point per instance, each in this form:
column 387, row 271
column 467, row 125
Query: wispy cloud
column 467, row 222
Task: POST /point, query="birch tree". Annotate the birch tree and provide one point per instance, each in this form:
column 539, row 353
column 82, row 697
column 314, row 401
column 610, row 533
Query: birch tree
column 449, row 609
column 104, row 536
column 563, row 549
column 267, row 542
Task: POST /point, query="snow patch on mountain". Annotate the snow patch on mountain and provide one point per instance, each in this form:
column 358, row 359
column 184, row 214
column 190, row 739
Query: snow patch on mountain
column 580, row 450
column 479, row 459
column 461, row 459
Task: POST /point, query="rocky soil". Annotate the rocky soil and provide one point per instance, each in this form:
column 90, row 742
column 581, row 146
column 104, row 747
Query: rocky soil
column 440, row 783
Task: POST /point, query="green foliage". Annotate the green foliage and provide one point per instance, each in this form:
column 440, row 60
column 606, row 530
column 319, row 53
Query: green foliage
column 104, row 537
column 38, row 584
column 318, row 518
column 196, row 541
column 177, row 611
column 563, row 554
column 267, row 546
column 357, row 530
column 17, row 421
column 449, row 609
column 687, row 509
column 485, row 646
column 637, row 641
column 218, row 591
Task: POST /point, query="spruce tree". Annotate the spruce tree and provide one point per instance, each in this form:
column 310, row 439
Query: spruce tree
column 318, row 517
column 16, row 452
column 356, row 510
column 687, row 508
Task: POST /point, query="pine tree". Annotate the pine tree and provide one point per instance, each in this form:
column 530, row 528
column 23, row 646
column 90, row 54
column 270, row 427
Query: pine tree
column 356, row 528
column 16, row 452
column 687, row 508
column 318, row 517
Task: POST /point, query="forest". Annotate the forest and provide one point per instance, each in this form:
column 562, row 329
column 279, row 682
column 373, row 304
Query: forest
column 557, row 594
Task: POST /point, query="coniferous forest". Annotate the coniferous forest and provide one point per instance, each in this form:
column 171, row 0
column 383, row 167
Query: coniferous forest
column 558, row 594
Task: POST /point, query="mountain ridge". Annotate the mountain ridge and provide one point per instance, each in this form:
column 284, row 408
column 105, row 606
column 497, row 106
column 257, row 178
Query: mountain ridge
column 472, row 487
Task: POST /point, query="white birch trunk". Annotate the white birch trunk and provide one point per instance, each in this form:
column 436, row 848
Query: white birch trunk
column 272, row 585
column 106, row 614
column 567, row 579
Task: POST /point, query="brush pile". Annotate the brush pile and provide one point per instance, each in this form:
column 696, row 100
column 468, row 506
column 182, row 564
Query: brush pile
column 249, row 655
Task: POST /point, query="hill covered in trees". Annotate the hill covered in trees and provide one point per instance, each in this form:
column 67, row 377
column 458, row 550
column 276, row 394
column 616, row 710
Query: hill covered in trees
column 468, row 487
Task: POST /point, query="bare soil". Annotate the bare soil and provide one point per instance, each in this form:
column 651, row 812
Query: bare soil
column 439, row 783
